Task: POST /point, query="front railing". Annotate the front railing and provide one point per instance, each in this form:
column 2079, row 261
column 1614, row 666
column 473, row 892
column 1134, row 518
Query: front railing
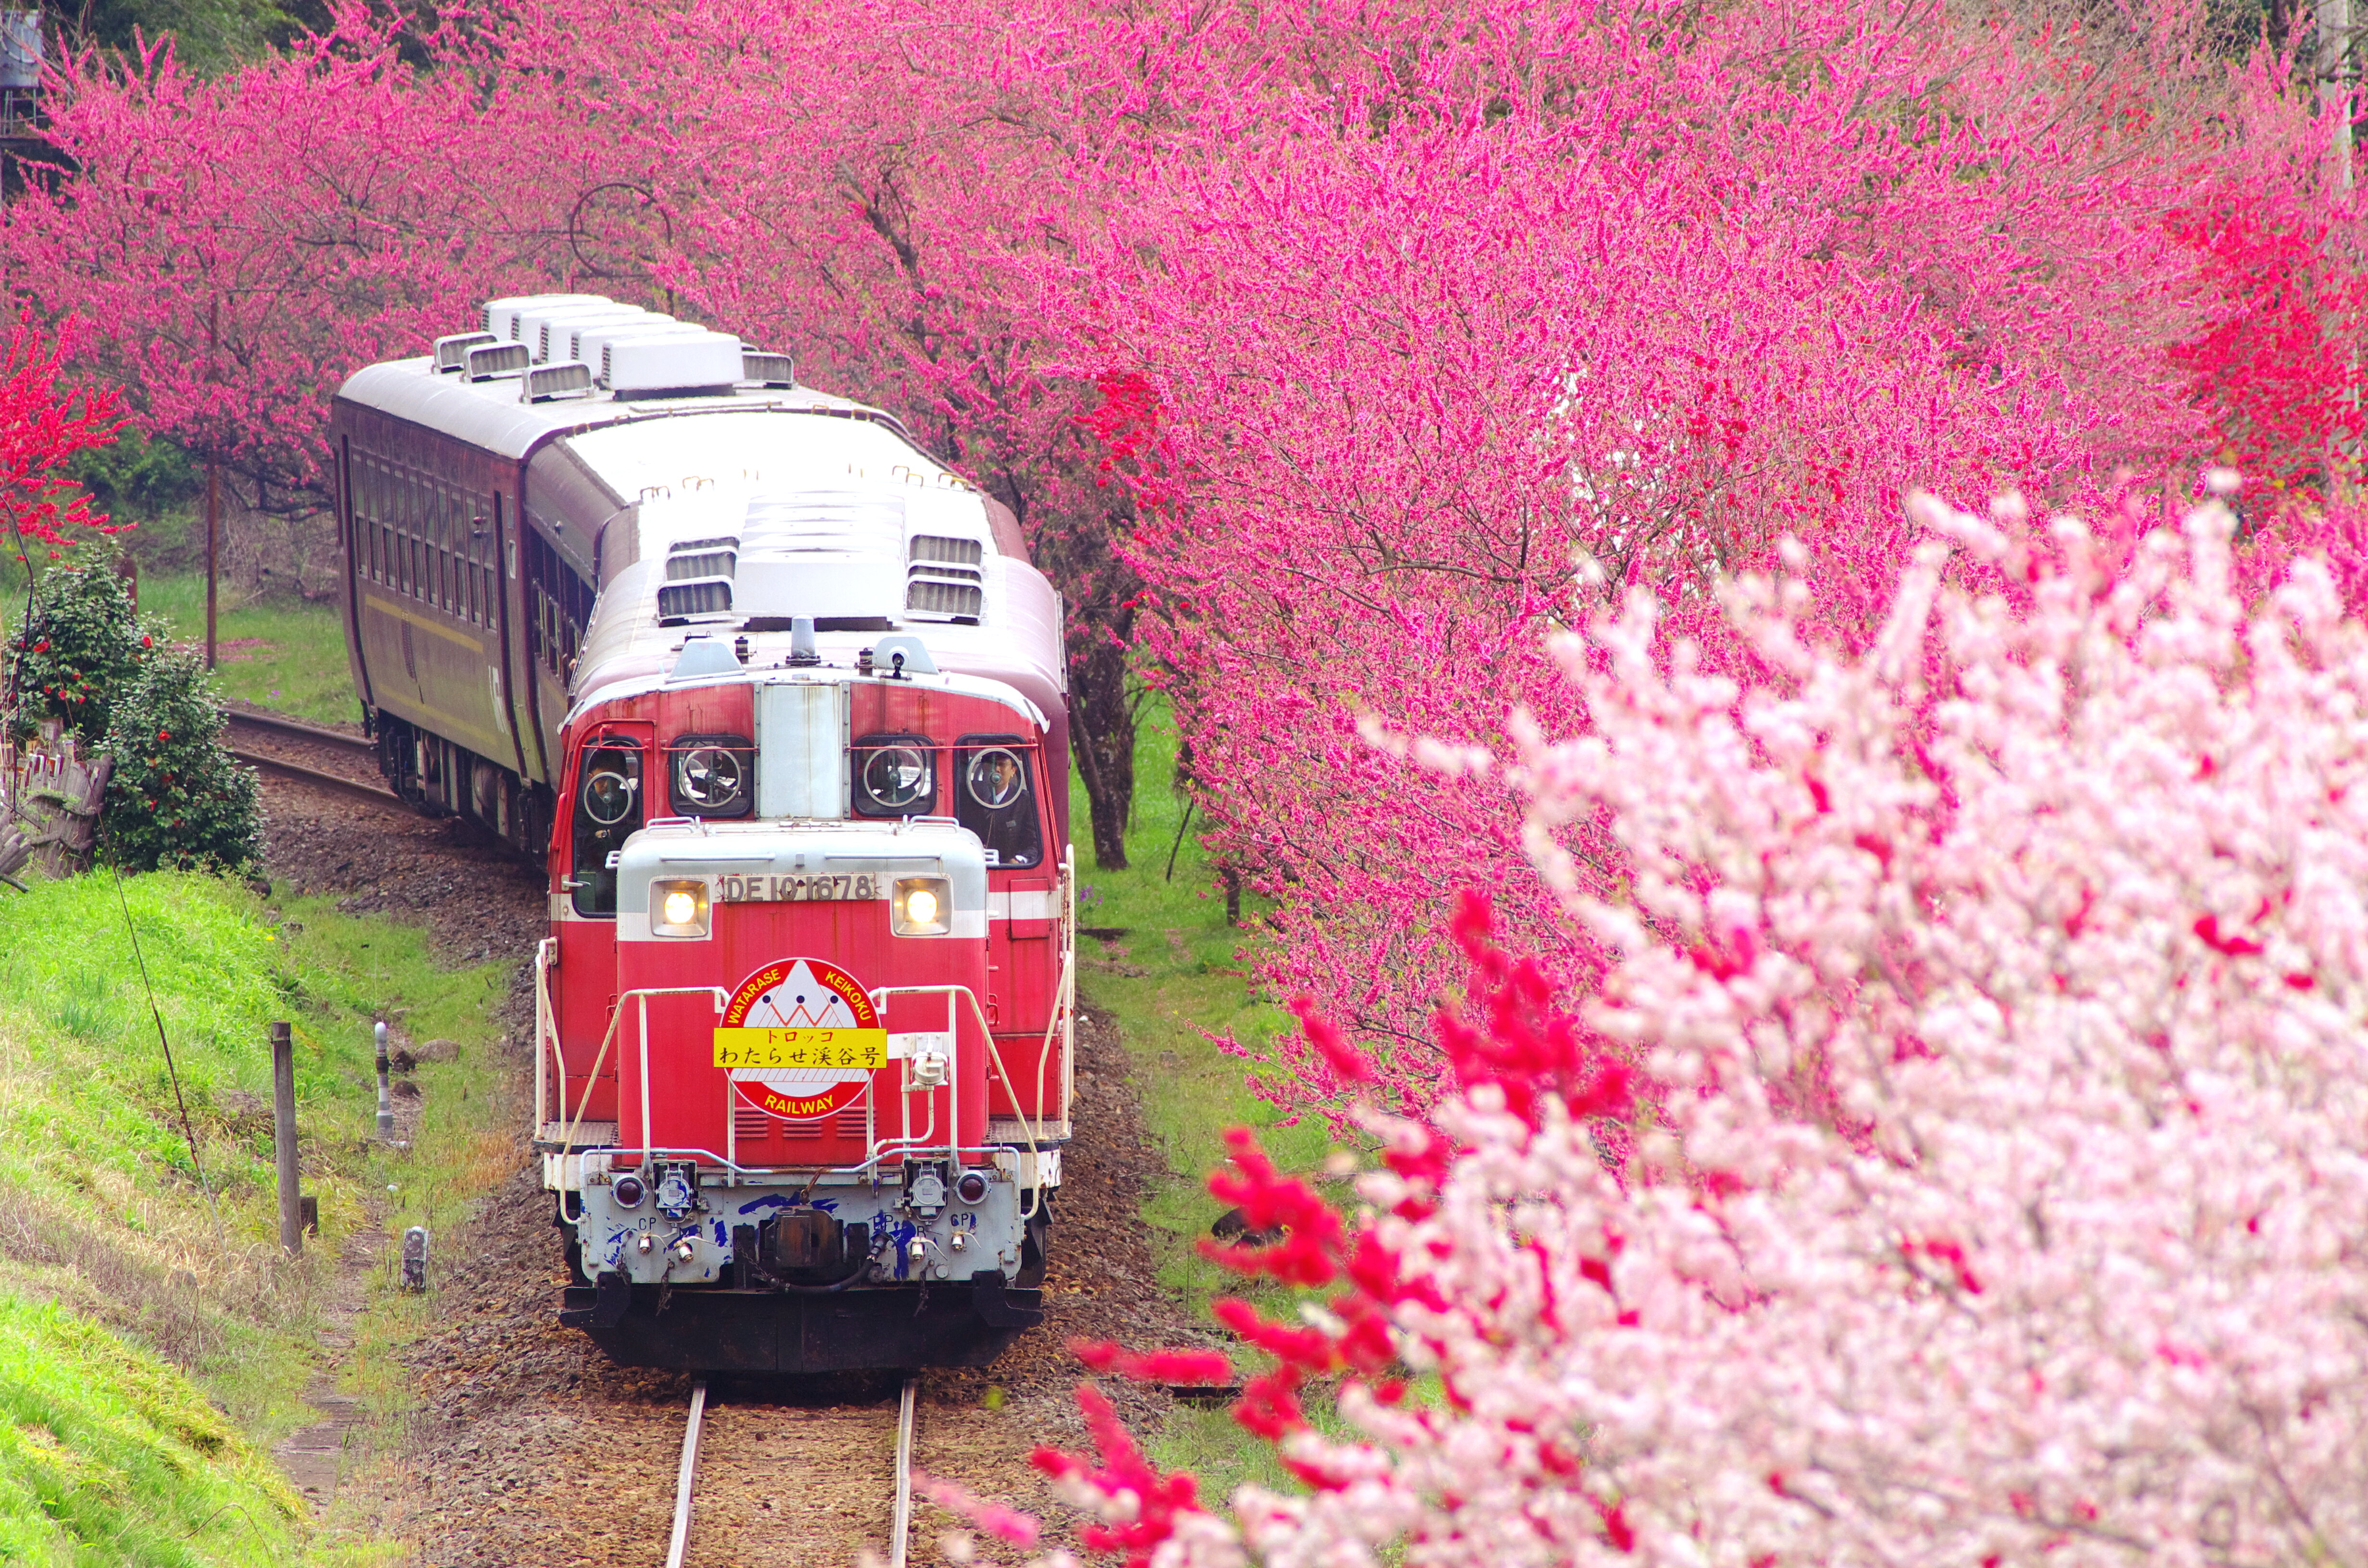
column 551, row 1051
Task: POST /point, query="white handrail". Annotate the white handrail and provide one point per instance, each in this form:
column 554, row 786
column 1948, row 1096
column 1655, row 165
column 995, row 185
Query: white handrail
column 546, row 1032
column 722, row 1000
column 1064, row 999
column 986, row 1032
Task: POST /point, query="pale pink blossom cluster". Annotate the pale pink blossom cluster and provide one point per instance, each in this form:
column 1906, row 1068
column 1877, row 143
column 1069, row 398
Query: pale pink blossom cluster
column 2002, row 1192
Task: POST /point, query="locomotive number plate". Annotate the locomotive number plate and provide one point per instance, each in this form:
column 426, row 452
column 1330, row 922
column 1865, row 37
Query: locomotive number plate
column 766, row 887
column 807, row 1048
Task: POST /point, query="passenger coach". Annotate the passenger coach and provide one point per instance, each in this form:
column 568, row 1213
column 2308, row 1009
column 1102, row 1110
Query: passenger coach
column 780, row 702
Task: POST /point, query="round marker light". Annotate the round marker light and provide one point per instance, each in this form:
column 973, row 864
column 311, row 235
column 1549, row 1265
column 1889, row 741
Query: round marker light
column 629, row 1192
column 681, row 908
column 972, row 1188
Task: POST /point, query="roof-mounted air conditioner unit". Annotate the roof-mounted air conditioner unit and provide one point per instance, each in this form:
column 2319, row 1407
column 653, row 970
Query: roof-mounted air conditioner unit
column 649, row 367
column 501, row 315
column 587, row 339
column 547, row 332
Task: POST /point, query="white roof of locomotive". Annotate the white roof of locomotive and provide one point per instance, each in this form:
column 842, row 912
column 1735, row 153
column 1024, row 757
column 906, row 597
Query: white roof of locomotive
column 822, row 519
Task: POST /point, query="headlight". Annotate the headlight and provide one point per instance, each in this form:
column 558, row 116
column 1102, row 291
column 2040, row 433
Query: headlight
column 922, row 906
column 679, row 909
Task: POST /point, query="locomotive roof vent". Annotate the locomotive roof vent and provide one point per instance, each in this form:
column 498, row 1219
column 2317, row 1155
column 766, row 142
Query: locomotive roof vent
column 544, row 382
column 944, row 579
column 501, row 315
column 490, row 360
column 768, row 370
column 678, row 602
column 451, row 350
column 672, row 365
column 684, row 565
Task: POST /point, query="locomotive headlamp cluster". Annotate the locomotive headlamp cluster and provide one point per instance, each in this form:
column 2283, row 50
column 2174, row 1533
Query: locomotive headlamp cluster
column 922, row 906
column 679, row 909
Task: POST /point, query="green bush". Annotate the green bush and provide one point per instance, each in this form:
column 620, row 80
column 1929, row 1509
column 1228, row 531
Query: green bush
column 177, row 800
column 80, row 648
column 136, row 479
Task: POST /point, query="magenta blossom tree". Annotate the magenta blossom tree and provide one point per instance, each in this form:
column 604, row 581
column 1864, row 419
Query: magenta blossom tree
column 1614, row 289
column 45, row 418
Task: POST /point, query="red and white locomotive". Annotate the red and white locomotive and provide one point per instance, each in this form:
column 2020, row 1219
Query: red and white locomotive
column 782, row 700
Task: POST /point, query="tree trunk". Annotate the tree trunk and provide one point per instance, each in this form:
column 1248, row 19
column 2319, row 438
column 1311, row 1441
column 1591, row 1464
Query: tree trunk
column 1101, row 734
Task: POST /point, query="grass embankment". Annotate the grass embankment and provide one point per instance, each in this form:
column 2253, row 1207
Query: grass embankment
column 282, row 653
column 105, row 1213
column 1172, row 972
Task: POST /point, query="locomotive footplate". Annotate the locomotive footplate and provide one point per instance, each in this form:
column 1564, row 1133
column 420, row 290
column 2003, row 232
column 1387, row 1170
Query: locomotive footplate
column 705, row 1330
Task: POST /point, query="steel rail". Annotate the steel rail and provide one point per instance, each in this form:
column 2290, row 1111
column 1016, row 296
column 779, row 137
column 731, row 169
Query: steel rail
column 375, row 794
column 903, row 1526
column 683, row 1477
column 686, row 1475
column 300, row 729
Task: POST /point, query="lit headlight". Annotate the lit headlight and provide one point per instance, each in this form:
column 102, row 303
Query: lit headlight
column 923, row 906
column 679, row 909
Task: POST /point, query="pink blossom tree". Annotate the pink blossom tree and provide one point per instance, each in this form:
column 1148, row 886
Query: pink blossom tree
column 238, row 244
column 1964, row 1160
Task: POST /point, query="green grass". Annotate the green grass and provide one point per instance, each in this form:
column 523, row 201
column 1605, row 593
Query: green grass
column 109, row 1455
column 281, row 653
column 1192, row 990
column 1176, row 981
column 103, row 1210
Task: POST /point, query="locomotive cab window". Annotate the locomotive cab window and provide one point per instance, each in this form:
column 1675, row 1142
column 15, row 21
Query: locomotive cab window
column 994, row 797
column 711, row 775
column 607, row 811
column 895, row 776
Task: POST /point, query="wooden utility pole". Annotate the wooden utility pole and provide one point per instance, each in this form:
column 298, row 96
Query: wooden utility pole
column 213, row 489
column 283, row 1139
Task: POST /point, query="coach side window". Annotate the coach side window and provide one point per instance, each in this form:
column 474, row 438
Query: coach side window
column 608, row 811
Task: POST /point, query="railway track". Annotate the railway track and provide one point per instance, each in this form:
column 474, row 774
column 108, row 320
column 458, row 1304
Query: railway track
column 266, row 740
column 789, row 1447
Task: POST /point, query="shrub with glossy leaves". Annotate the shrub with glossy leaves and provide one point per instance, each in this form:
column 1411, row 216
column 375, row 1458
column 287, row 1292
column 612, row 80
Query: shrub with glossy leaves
column 80, row 647
column 177, row 798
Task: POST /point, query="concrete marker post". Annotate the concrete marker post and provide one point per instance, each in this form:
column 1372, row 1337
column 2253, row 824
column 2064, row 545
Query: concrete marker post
column 385, row 1104
column 283, row 1139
